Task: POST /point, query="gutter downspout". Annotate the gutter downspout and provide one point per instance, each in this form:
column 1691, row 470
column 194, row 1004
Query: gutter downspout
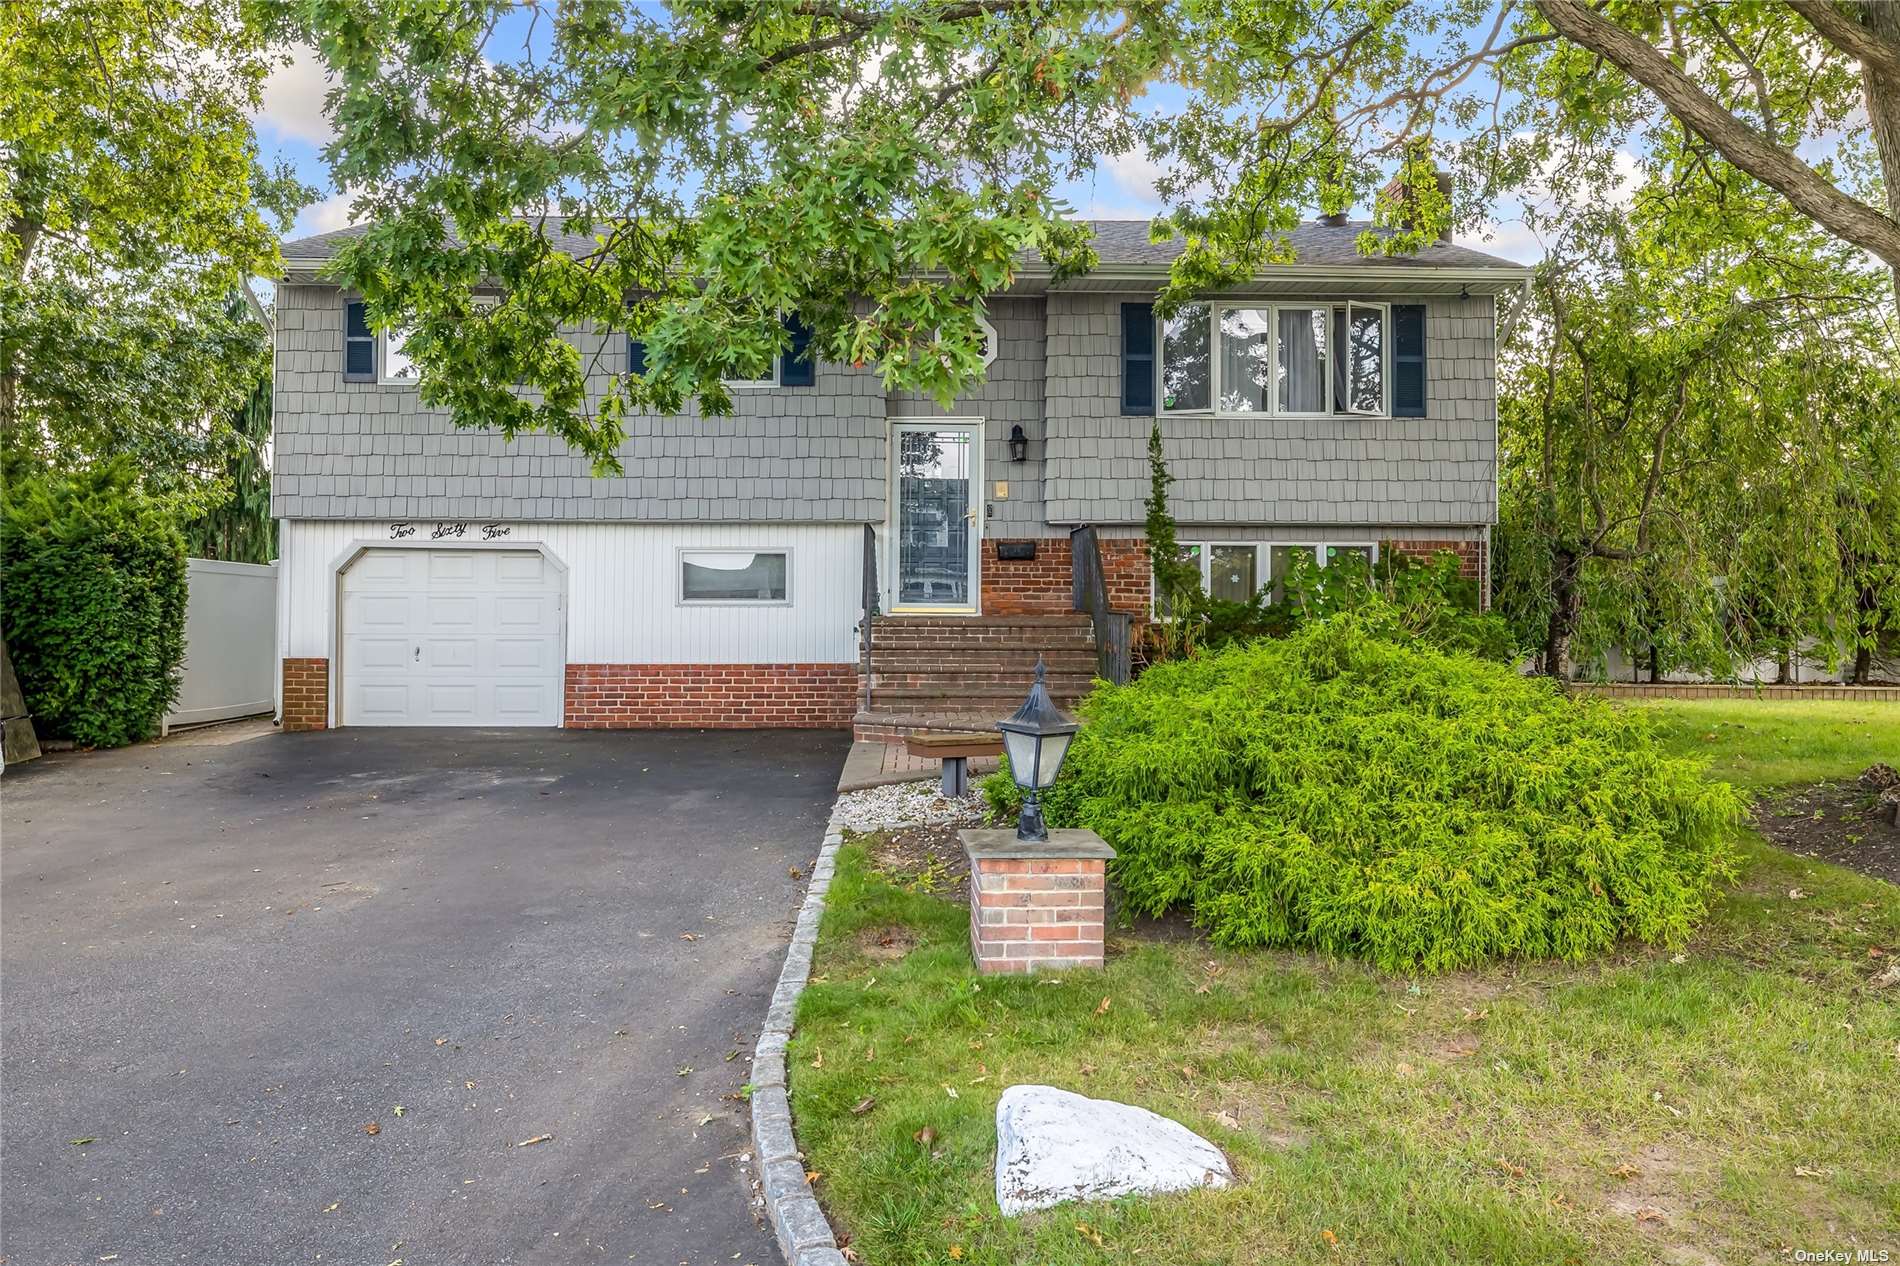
column 1517, row 310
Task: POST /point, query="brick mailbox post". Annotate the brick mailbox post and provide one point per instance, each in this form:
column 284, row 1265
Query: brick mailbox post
column 1036, row 905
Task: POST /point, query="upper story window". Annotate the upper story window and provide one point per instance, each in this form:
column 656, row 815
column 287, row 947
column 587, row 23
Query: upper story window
column 1280, row 359
column 392, row 360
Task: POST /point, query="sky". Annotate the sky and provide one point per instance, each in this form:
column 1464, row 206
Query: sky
column 291, row 125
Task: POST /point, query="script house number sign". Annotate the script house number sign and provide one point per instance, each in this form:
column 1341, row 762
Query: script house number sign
column 449, row 531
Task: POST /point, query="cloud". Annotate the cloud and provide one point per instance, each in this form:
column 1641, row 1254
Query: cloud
column 293, row 98
column 1511, row 239
column 1123, row 188
column 327, row 216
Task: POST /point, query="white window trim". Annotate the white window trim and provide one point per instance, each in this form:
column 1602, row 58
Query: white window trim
column 757, row 384
column 682, row 552
column 990, row 345
column 384, row 338
column 1273, row 309
column 1206, row 547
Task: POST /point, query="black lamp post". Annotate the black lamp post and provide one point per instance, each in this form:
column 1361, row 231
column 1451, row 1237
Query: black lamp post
column 1036, row 739
column 1018, row 444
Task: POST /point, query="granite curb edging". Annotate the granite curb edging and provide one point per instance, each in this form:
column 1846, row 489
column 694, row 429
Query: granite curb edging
column 804, row 1235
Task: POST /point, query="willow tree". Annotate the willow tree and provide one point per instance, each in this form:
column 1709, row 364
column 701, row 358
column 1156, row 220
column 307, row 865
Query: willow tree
column 1678, row 418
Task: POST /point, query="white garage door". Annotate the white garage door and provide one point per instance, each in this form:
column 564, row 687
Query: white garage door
column 451, row 637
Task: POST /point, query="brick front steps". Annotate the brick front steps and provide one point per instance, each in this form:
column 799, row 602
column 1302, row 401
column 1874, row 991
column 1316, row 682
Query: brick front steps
column 968, row 672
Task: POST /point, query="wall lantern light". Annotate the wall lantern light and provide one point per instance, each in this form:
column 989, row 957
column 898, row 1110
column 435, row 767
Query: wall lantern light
column 1018, row 444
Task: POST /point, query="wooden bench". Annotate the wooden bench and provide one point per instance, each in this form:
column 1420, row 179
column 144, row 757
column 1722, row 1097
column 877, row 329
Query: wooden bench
column 955, row 750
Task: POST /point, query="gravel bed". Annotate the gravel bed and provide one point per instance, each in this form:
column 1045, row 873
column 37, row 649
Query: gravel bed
column 907, row 804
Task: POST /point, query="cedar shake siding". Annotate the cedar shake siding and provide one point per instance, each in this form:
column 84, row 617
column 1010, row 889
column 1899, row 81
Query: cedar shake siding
column 1438, row 469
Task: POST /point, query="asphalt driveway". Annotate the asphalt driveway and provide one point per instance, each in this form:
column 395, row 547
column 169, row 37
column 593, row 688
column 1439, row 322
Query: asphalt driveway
column 222, row 961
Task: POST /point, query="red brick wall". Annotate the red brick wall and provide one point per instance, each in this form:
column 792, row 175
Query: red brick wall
column 721, row 696
column 1470, row 553
column 1130, row 580
column 1038, row 586
column 1029, row 914
column 306, row 694
column 1044, row 585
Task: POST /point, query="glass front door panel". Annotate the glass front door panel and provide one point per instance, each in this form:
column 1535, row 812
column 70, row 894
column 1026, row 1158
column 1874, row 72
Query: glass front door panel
column 936, row 518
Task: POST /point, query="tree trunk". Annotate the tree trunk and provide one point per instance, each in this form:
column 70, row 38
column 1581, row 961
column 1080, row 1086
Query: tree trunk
column 1881, row 88
column 1655, row 665
column 1565, row 608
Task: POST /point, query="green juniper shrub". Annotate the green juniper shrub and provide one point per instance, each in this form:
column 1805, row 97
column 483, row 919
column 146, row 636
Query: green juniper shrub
column 1352, row 790
column 92, row 574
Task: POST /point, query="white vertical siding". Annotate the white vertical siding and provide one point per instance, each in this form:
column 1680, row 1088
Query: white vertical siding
column 622, row 590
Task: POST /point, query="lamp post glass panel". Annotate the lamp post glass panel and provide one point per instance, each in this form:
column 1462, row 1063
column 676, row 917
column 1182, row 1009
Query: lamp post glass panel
column 1036, row 739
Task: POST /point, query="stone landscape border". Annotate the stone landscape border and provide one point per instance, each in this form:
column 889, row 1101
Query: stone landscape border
column 804, row 1236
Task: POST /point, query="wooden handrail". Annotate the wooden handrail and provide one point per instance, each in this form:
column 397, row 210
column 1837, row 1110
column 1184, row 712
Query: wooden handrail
column 1114, row 660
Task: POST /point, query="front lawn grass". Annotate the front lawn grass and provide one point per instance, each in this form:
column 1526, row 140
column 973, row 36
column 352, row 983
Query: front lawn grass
column 1767, row 743
column 1731, row 1106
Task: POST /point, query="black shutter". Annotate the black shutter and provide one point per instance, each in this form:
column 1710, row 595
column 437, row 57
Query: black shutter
column 636, row 355
column 1408, row 360
column 1138, row 359
column 359, row 344
column 798, row 368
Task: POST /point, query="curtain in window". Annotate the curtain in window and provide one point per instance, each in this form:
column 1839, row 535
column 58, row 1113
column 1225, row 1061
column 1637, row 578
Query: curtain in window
column 1303, row 342
column 1245, row 360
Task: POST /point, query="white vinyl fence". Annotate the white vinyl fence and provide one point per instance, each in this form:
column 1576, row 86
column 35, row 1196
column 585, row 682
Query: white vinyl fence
column 230, row 643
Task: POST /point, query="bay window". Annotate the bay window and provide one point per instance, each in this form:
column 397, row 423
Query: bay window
column 1277, row 359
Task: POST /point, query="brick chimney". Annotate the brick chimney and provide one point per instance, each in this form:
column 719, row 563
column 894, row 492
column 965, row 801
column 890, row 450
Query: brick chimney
column 1396, row 189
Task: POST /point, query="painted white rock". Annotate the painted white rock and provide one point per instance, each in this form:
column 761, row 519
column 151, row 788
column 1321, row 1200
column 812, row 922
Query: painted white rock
column 1054, row 1146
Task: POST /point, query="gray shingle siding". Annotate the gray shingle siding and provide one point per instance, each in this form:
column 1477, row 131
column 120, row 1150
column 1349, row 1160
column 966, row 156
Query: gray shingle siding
column 366, row 450
column 1010, row 395
column 1439, row 469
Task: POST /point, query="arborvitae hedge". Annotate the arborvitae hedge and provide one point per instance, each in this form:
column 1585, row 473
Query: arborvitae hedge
column 1345, row 791
column 92, row 599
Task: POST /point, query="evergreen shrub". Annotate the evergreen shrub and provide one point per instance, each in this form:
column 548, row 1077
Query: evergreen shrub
column 92, row 602
column 1353, row 790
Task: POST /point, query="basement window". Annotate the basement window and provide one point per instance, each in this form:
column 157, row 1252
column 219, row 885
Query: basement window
column 719, row 577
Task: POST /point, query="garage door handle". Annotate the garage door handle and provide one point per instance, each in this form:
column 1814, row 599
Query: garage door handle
column 418, row 654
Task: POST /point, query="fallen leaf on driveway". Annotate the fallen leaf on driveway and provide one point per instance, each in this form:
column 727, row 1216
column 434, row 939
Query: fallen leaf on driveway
column 689, row 936
column 863, row 1105
column 442, row 1041
column 374, row 1127
column 399, row 1109
column 539, row 1138
column 82, row 1142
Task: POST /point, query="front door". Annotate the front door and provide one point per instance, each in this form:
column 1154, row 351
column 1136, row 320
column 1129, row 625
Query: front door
column 937, row 513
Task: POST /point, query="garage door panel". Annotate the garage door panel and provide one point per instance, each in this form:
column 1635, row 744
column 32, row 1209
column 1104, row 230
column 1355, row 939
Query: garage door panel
column 440, row 653
column 387, row 568
column 450, row 703
column 451, row 614
column 522, row 654
column 515, row 614
column 381, row 704
column 452, row 567
column 373, row 612
column 516, row 703
column 381, row 653
column 520, row 569
column 451, row 637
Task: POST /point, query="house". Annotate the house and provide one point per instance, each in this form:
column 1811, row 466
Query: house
column 435, row 576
